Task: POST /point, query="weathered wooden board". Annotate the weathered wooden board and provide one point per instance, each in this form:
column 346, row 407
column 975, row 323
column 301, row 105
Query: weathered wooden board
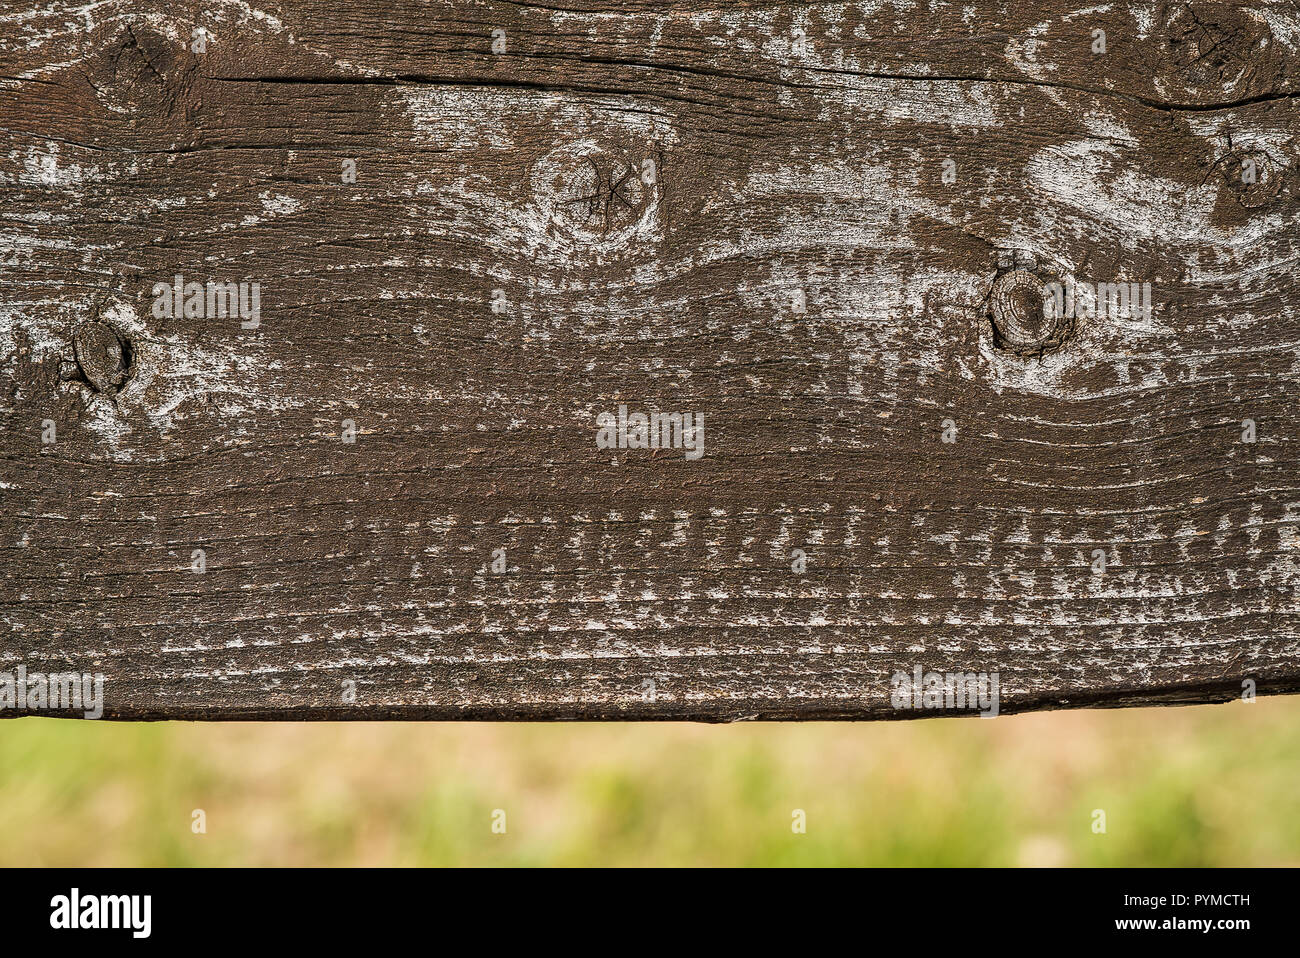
column 825, row 228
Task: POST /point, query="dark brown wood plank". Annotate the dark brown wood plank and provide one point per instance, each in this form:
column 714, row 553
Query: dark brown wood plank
column 744, row 211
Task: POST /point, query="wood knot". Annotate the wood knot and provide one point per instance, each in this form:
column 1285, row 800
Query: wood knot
column 1254, row 178
column 1214, row 49
column 599, row 196
column 146, row 76
column 1024, row 313
column 101, row 358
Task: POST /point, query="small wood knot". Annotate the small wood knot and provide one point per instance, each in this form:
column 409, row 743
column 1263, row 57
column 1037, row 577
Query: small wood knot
column 101, row 358
column 605, row 194
column 146, row 75
column 1254, row 178
column 1218, row 49
column 1022, row 310
column 598, row 195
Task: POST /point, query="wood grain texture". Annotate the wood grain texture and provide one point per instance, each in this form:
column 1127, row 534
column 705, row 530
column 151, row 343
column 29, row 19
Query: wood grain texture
column 738, row 210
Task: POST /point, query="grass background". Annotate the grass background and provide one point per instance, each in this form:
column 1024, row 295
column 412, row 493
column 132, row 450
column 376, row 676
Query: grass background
column 1208, row 785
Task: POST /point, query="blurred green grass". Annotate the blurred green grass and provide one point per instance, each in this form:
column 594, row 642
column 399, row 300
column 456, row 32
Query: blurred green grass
column 1209, row 785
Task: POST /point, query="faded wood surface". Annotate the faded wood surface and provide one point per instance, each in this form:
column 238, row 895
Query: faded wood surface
column 744, row 211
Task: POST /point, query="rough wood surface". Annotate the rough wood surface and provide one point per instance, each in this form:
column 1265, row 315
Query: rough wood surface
column 744, row 211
